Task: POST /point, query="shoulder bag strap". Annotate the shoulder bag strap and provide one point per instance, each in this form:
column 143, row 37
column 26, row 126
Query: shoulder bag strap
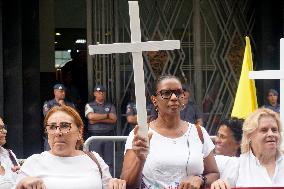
column 200, row 134
column 12, row 158
column 93, row 157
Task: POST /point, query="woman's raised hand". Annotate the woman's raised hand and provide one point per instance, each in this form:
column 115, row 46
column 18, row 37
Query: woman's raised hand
column 140, row 145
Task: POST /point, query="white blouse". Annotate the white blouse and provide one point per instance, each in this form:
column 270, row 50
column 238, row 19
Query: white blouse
column 78, row 172
column 246, row 171
column 8, row 179
column 170, row 160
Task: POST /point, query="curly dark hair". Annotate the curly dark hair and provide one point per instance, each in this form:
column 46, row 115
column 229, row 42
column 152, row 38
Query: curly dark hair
column 235, row 125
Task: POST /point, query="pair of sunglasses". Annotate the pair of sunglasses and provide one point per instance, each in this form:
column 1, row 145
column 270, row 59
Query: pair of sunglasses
column 167, row 93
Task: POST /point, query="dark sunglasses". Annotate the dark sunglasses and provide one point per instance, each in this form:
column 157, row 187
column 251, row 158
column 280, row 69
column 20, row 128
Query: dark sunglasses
column 167, row 94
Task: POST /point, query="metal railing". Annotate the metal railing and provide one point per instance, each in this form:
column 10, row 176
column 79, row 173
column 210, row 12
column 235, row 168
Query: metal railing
column 114, row 139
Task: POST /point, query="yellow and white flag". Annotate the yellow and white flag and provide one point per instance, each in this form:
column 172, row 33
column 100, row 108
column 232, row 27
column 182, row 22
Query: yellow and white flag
column 246, row 100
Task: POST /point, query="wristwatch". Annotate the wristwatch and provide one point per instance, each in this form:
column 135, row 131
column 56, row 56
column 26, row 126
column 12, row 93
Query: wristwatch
column 204, row 179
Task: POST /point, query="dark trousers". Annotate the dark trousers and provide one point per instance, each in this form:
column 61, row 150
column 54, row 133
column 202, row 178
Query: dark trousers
column 105, row 149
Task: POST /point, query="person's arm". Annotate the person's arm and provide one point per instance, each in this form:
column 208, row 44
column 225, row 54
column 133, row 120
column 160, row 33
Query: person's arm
column 134, row 160
column 132, row 119
column 45, row 108
column 132, row 169
column 209, row 175
column 211, row 171
column 101, row 118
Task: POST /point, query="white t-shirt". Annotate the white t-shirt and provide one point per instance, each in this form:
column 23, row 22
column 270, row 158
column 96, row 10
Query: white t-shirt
column 228, row 167
column 8, row 179
column 170, row 160
column 78, row 172
column 246, row 171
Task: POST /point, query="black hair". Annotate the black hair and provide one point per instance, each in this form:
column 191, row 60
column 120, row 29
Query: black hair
column 235, row 125
column 273, row 91
column 164, row 77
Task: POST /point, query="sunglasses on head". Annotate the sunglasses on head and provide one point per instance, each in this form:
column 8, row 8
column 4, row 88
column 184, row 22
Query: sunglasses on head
column 167, row 93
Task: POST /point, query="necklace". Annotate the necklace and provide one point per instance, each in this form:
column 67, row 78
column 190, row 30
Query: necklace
column 170, row 133
column 2, row 170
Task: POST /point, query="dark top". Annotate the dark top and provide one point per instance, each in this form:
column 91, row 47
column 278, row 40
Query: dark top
column 50, row 103
column 190, row 113
column 104, row 108
column 131, row 109
column 274, row 108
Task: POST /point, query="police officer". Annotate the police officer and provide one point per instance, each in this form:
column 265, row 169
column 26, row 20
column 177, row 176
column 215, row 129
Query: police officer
column 59, row 99
column 101, row 117
column 191, row 112
column 131, row 115
column 272, row 101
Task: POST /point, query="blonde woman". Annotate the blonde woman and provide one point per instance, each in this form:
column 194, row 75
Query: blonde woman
column 261, row 163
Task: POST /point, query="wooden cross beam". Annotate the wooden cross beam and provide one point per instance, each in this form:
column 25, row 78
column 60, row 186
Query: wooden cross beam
column 274, row 74
column 136, row 47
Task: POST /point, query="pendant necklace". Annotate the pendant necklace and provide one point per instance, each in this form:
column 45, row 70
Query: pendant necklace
column 2, row 169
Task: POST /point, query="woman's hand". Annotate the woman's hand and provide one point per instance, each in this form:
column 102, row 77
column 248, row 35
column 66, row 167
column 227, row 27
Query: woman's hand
column 16, row 168
column 220, row 184
column 115, row 183
column 192, row 182
column 31, row 183
column 140, row 145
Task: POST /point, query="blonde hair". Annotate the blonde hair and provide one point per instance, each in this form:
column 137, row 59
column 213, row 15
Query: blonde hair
column 252, row 123
column 74, row 114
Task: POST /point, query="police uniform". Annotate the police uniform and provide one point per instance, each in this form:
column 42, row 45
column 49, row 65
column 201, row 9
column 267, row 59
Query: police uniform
column 131, row 110
column 274, row 108
column 50, row 103
column 105, row 149
column 190, row 113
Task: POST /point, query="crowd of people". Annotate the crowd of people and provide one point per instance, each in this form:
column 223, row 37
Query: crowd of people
column 177, row 153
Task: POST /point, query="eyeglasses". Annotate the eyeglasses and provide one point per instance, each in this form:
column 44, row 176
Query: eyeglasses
column 167, row 94
column 2, row 128
column 64, row 127
column 221, row 136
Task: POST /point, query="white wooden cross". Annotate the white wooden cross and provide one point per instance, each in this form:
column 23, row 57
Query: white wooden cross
column 136, row 47
column 275, row 74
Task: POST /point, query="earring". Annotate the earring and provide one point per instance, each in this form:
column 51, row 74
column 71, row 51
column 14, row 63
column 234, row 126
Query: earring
column 249, row 140
column 156, row 109
column 79, row 137
column 182, row 107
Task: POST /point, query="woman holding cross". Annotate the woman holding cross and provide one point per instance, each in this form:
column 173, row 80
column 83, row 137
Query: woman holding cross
column 179, row 154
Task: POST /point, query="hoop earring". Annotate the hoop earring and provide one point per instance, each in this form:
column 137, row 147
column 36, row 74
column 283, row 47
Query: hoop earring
column 182, row 107
column 156, row 109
